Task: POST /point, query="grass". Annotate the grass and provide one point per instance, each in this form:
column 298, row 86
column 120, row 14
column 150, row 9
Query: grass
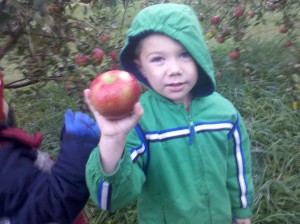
column 259, row 85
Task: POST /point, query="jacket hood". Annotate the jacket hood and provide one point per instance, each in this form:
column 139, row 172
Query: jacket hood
column 179, row 22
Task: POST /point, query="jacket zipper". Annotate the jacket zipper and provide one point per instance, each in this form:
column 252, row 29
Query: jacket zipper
column 192, row 130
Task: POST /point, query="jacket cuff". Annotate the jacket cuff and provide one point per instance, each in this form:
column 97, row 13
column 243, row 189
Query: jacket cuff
column 95, row 173
column 242, row 213
column 121, row 172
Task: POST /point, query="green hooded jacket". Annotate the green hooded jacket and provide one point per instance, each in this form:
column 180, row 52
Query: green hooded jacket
column 183, row 167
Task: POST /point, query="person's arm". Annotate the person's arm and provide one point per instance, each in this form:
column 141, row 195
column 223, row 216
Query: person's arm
column 113, row 179
column 113, row 134
column 58, row 196
column 239, row 174
column 79, row 136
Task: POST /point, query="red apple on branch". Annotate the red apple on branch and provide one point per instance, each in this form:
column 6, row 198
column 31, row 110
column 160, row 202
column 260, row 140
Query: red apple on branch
column 97, row 56
column 114, row 67
column 114, row 93
column 114, row 56
column 215, row 19
column 251, row 14
column 82, row 60
column 288, row 43
column 234, row 55
column 238, row 11
column 104, row 37
column 283, row 29
column 220, row 39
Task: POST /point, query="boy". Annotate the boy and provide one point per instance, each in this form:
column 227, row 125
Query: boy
column 34, row 189
column 184, row 152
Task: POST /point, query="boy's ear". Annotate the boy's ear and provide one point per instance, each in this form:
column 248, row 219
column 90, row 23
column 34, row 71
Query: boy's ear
column 139, row 66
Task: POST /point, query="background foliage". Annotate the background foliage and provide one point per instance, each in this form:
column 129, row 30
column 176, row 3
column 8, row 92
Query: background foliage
column 41, row 43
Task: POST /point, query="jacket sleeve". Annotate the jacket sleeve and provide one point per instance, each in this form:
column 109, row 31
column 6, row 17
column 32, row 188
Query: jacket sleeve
column 59, row 196
column 239, row 178
column 119, row 189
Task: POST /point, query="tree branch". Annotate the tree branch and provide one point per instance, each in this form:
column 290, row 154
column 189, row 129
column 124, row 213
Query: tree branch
column 11, row 40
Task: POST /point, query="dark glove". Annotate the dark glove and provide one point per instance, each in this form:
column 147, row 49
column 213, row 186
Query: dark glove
column 60, row 196
column 79, row 136
column 81, row 126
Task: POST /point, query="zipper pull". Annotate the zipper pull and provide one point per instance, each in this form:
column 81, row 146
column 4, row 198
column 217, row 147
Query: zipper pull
column 192, row 130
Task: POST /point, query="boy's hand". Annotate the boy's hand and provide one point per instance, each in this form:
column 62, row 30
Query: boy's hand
column 242, row 221
column 113, row 134
column 115, row 128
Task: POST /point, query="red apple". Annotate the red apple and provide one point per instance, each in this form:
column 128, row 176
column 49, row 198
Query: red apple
column 251, row 14
column 220, row 39
column 215, row 19
column 114, row 93
column 288, row 43
column 104, row 37
column 82, row 60
column 97, row 55
column 283, row 29
column 114, row 67
column 113, row 55
column 238, row 11
column 234, row 55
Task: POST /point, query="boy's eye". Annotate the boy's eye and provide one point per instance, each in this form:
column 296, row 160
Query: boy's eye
column 186, row 55
column 156, row 59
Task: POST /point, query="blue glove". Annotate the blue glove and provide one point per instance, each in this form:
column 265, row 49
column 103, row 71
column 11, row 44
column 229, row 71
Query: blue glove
column 79, row 136
column 81, row 125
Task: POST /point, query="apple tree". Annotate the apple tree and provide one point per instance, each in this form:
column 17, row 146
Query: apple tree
column 63, row 41
column 229, row 22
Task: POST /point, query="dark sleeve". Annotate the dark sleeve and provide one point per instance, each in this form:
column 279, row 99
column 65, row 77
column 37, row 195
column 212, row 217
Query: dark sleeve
column 41, row 197
column 30, row 195
column 61, row 195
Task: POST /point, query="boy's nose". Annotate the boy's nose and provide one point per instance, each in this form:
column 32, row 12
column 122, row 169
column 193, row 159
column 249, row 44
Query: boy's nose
column 174, row 67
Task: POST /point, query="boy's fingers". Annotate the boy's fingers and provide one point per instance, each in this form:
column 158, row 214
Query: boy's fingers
column 138, row 111
column 87, row 93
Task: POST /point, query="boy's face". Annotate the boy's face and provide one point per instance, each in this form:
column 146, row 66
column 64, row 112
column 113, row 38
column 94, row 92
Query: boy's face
column 168, row 67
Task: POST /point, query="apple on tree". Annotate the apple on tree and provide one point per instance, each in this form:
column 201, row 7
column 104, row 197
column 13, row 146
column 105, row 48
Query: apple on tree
column 82, row 60
column 104, row 37
column 238, row 11
column 283, row 29
column 97, row 55
column 251, row 14
column 234, row 55
column 114, row 93
column 114, row 67
column 220, row 39
column 215, row 19
column 113, row 55
column 287, row 43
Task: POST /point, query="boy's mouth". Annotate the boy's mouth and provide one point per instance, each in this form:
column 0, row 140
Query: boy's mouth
column 176, row 86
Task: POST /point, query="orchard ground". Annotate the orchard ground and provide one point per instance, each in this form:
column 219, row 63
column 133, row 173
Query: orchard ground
column 262, row 84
